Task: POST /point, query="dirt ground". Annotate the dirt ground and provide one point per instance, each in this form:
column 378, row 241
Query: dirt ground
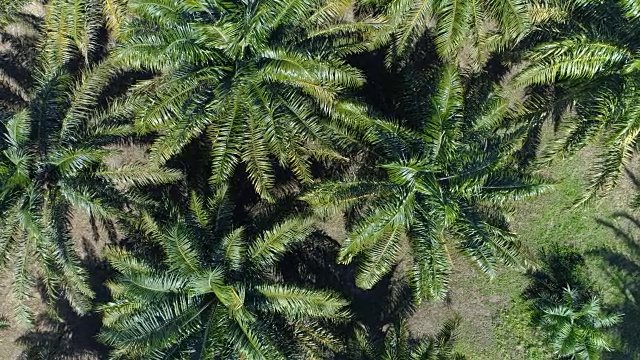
column 49, row 340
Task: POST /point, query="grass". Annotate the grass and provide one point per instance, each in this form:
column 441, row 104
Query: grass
column 605, row 231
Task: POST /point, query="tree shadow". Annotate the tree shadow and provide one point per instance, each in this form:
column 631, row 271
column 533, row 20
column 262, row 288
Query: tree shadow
column 62, row 334
column 313, row 264
column 623, row 271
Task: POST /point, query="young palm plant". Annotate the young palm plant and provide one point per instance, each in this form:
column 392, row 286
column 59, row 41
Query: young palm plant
column 261, row 81
column 217, row 294
column 441, row 186
column 577, row 329
column 593, row 71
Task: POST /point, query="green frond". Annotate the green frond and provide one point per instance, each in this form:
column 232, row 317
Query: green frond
column 235, row 249
column 431, row 264
column 572, row 59
column 181, row 253
column 87, row 201
column 452, row 25
column 413, row 19
column 125, row 263
column 71, row 160
column 18, row 128
column 631, row 9
column 140, row 175
column 269, row 247
column 380, row 258
column 302, row 304
column 331, row 198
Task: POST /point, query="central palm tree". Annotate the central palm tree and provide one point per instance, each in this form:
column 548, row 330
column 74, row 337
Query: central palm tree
column 261, row 81
column 440, row 187
column 218, row 294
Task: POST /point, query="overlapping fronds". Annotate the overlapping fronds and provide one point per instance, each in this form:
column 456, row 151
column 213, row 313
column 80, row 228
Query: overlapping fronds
column 399, row 344
column 229, row 304
column 594, row 74
column 440, row 192
column 457, row 23
column 260, row 87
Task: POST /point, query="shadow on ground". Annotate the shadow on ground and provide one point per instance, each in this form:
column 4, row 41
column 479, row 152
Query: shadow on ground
column 63, row 334
column 623, row 271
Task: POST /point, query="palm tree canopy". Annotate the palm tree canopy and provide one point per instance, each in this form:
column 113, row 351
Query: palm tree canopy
column 444, row 181
column 218, row 294
column 262, row 81
column 52, row 160
column 486, row 23
column 593, row 68
column 577, row 329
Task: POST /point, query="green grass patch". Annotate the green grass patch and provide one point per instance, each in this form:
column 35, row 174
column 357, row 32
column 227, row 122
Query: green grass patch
column 606, row 232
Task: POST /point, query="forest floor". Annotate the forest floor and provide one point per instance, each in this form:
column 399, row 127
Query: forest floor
column 606, row 232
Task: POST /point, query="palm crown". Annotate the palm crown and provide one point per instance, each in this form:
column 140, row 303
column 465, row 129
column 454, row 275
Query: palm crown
column 260, row 78
column 218, row 294
column 439, row 184
column 53, row 163
column 594, row 68
column 576, row 329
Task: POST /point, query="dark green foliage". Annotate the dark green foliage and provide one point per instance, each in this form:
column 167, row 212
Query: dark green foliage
column 480, row 25
column 398, row 344
column 218, row 294
column 593, row 67
column 260, row 103
column 441, row 187
column 262, row 81
column 577, row 328
column 567, row 312
column 52, row 164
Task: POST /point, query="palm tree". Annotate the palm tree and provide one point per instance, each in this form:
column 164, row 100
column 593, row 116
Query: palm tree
column 52, row 164
column 217, row 294
column 66, row 32
column 485, row 23
column 398, row 344
column 591, row 70
column 577, row 329
column 261, row 81
column 441, row 186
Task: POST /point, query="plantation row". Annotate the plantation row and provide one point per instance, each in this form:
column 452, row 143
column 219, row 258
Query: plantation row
column 411, row 127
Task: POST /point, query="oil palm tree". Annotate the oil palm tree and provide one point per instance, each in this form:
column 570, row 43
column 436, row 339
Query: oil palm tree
column 577, row 329
column 441, row 186
column 456, row 22
column 592, row 71
column 261, row 81
column 398, row 344
column 52, row 164
column 58, row 32
column 53, row 155
column 217, row 294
